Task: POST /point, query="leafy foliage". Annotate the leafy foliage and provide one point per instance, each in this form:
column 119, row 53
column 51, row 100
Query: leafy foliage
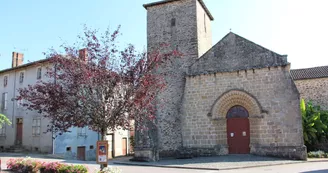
column 28, row 165
column 317, row 154
column 4, row 120
column 314, row 121
column 110, row 170
column 100, row 86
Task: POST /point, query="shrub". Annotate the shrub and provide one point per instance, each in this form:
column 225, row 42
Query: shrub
column 28, row 165
column 315, row 122
column 110, row 170
column 317, row 154
column 51, row 167
column 73, row 169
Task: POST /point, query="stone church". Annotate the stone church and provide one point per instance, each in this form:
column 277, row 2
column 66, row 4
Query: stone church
column 235, row 97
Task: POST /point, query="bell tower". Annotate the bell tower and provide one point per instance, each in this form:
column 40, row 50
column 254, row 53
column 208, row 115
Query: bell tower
column 185, row 25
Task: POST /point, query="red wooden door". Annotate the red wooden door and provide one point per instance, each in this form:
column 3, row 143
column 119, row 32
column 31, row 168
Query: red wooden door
column 238, row 130
column 124, row 146
column 81, row 153
column 19, row 131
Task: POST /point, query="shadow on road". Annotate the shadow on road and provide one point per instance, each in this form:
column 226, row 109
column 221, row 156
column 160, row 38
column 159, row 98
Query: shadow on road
column 317, row 171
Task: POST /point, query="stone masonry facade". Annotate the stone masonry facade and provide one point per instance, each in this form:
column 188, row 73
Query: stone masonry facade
column 206, row 82
column 175, row 23
column 315, row 90
column 270, row 98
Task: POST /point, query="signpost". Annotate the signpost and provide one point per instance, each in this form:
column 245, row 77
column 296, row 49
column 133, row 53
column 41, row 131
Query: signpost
column 102, row 152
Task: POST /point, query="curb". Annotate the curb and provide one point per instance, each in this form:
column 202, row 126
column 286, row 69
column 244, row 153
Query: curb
column 211, row 169
column 323, row 160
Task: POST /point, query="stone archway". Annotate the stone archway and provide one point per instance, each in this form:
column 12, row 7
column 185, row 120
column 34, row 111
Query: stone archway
column 221, row 107
column 232, row 98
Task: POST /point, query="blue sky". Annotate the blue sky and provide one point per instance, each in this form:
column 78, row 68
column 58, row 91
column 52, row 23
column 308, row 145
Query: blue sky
column 297, row 28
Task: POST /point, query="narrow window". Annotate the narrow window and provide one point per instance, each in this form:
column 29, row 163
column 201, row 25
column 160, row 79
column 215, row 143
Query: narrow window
column 205, row 22
column 4, row 101
column 39, row 73
column 3, row 130
column 5, row 81
column 173, row 22
column 36, row 127
column 21, row 77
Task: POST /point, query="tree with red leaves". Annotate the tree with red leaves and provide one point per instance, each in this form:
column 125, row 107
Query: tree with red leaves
column 100, row 86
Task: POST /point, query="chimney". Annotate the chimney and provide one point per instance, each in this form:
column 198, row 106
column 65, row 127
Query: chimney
column 17, row 59
column 83, row 54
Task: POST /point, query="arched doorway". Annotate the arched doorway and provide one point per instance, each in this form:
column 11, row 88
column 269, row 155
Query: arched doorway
column 238, row 130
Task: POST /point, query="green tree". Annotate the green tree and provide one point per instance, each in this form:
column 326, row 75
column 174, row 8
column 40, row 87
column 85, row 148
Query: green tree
column 314, row 122
column 4, row 120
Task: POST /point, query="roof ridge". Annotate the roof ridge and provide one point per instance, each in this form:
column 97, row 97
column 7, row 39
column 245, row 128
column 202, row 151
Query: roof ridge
column 257, row 44
column 24, row 65
column 310, row 68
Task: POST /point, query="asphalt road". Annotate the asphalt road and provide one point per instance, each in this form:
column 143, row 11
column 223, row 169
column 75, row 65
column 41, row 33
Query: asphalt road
column 308, row 167
column 313, row 167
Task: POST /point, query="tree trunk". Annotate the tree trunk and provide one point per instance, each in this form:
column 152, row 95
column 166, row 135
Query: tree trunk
column 103, row 134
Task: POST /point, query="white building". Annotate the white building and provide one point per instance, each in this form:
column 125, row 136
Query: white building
column 28, row 128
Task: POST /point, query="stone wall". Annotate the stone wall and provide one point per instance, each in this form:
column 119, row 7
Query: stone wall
column 315, row 90
column 174, row 23
column 234, row 53
column 269, row 94
column 204, row 30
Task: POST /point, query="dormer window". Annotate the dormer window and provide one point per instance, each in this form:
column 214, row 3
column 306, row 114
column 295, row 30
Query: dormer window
column 21, row 77
column 39, row 73
column 5, row 81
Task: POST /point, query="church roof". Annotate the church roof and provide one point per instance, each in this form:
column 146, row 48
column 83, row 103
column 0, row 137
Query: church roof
column 234, row 53
column 167, row 1
column 309, row 73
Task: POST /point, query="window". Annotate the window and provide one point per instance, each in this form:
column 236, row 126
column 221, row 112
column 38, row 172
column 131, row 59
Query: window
column 39, row 73
column 3, row 130
column 20, row 103
column 68, row 148
column 205, row 22
column 21, row 77
column 91, row 147
column 4, row 101
column 82, row 131
column 173, row 22
column 5, row 81
column 36, row 127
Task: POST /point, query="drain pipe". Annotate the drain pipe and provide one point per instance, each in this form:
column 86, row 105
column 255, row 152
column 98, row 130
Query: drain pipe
column 53, row 138
column 14, row 94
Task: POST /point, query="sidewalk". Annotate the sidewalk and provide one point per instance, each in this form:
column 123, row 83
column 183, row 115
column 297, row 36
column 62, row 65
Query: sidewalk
column 218, row 163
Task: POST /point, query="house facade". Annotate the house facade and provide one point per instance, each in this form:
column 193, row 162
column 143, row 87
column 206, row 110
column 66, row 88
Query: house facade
column 28, row 129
